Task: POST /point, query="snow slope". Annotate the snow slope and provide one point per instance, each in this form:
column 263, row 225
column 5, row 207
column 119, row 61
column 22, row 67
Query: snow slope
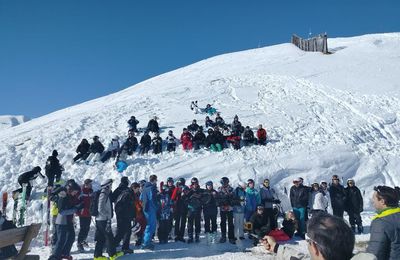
column 7, row 121
column 325, row 114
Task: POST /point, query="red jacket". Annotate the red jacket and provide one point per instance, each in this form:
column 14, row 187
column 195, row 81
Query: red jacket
column 86, row 197
column 186, row 137
column 261, row 134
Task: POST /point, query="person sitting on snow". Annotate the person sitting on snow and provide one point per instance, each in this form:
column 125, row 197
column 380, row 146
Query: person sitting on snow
column 133, row 122
column 95, row 150
column 248, row 136
column 171, row 141
column 219, row 121
column 157, row 144
column 199, row 138
column 152, row 126
column 193, row 127
column 82, row 150
column 145, row 143
column 131, row 142
column 236, row 125
column 261, row 135
column 112, row 149
column 209, row 122
column 186, row 140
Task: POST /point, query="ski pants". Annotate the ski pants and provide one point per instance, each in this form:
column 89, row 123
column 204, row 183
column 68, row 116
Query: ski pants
column 150, row 227
column 124, row 231
column 355, row 218
column 93, row 157
column 238, row 224
column 300, row 214
column 269, row 215
column 164, row 228
column 227, row 216
column 180, row 223
column 210, row 219
column 338, row 211
column 84, row 227
column 144, row 149
column 171, row 147
column 82, row 156
column 107, row 155
column 194, row 218
column 65, row 240
column 262, row 141
column 104, row 237
column 187, row 146
column 196, row 145
column 216, row 147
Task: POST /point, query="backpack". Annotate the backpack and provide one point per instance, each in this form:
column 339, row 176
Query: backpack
column 94, row 204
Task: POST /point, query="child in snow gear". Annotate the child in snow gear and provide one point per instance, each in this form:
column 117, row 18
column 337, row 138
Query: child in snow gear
column 194, row 201
column 199, row 138
column 268, row 198
column 53, row 169
column 82, row 150
column 234, row 139
column 165, row 214
column 193, row 127
column 210, row 211
column 26, row 178
column 236, row 125
column 145, row 143
column 186, row 140
column 261, row 135
column 84, row 214
column 354, row 206
column 180, row 209
column 95, row 150
column 152, row 126
column 338, row 196
column 171, row 141
column 248, row 136
column 239, row 210
column 226, row 198
column 212, row 141
column 219, row 121
column 253, row 199
column 133, row 122
column 150, row 207
column 157, row 144
column 131, row 142
column 112, row 149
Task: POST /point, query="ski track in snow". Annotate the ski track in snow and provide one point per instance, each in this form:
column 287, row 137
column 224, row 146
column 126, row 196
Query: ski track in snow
column 324, row 115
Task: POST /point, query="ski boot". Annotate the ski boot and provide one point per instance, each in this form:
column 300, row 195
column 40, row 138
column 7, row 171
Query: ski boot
column 190, row 240
column 232, row 241
column 80, row 248
column 213, row 237
column 139, row 241
column 127, row 251
column 149, row 247
column 360, row 229
column 222, row 240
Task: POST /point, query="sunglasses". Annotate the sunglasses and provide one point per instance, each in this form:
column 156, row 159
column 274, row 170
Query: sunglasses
column 310, row 240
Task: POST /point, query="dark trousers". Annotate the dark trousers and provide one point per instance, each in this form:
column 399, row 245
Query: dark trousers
column 180, row 224
column 164, row 227
column 171, row 147
column 84, row 227
column 227, row 216
column 194, row 218
column 124, row 231
column 354, row 218
column 262, row 141
column 144, row 149
column 82, row 156
column 338, row 212
column 210, row 223
column 66, row 238
column 28, row 188
column 51, row 177
column 104, row 237
column 269, row 215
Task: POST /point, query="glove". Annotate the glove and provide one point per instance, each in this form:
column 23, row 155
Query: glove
column 277, row 201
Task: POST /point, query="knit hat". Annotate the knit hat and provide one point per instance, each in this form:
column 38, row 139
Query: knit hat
column 125, row 180
column 106, row 183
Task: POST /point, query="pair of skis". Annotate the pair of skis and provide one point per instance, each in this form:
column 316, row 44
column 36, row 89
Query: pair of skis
column 18, row 216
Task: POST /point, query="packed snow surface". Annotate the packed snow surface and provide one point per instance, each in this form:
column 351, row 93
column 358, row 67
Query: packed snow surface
column 324, row 115
column 7, row 121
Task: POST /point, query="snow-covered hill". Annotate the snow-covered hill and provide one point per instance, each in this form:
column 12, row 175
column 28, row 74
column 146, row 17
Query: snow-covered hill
column 324, row 114
column 7, row 121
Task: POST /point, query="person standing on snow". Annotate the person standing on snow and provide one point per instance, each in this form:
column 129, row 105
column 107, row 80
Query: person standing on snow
column 226, row 197
column 210, row 211
column 239, row 210
column 338, row 196
column 299, row 196
column 268, row 198
column 317, row 202
column 84, row 215
column 354, row 206
column 53, row 169
column 324, row 188
column 253, row 199
column 165, row 214
column 186, row 140
column 194, row 202
column 171, row 141
column 180, row 209
column 261, row 135
column 150, row 207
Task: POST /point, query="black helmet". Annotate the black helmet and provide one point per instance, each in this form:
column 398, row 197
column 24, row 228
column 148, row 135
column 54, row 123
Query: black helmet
column 209, row 183
column 210, row 130
column 170, row 132
column 224, row 181
column 181, row 181
column 194, row 180
column 54, row 153
column 170, row 179
column 37, row 169
column 95, row 138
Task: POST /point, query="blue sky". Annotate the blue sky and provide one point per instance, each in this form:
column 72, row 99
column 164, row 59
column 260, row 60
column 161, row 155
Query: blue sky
column 54, row 54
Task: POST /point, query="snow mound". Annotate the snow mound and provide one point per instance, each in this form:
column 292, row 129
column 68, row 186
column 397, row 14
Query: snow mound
column 7, row 121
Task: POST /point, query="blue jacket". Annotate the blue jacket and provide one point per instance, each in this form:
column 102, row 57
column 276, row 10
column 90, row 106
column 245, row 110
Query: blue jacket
column 166, row 205
column 253, row 199
column 149, row 197
column 241, row 200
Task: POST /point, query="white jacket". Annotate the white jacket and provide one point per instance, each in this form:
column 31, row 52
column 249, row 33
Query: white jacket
column 318, row 201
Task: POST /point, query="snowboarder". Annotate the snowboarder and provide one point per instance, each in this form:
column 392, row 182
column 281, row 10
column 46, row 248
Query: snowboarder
column 186, row 140
column 133, row 122
column 199, row 138
column 157, row 144
column 27, row 178
column 82, row 150
column 354, row 206
column 171, row 141
column 149, row 202
column 112, row 149
column 152, row 126
column 261, row 135
column 226, row 197
column 248, row 136
column 95, row 150
column 53, row 169
column 194, row 203
column 84, row 215
column 338, row 196
column 145, row 143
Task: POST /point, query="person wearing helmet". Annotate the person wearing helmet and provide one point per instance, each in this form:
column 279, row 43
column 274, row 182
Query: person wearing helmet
column 152, row 126
column 171, row 141
column 26, row 178
column 253, row 199
column 354, row 206
column 95, row 151
column 210, row 212
column 156, row 142
column 180, row 214
column 149, row 202
column 53, row 169
column 261, row 135
column 136, row 187
column 318, row 202
column 112, row 149
column 186, row 140
column 165, row 214
column 226, row 197
column 194, row 203
column 133, row 122
column 82, row 150
column 193, row 127
column 84, row 214
column 213, row 140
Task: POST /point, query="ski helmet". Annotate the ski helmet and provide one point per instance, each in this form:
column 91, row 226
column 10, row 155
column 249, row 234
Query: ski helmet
column 209, row 183
column 54, row 153
column 181, row 181
column 224, row 181
column 194, row 180
column 170, row 132
column 170, row 179
column 95, row 138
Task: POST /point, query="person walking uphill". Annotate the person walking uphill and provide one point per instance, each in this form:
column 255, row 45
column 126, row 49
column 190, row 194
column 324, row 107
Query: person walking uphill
column 53, row 169
column 149, row 202
column 385, row 226
column 104, row 236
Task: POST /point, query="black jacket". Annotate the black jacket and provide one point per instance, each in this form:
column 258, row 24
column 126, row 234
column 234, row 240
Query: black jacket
column 210, row 139
column 354, row 200
column 259, row 221
column 132, row 144
column 299, row 196
column 83, row 148
column 195, row 199
column 96, row 147
column 193, row 127
column 29, row 176
column 153, row 126
column 199, row 137
column 210, row 203
column 133, row 123
column 124, row 199
column 248, row 135
column 145, row 140
column 338, row 196
column 53, row 166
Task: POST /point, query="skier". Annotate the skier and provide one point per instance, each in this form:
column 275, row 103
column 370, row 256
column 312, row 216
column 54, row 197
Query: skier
column 209, row 122
column 226, row 196
column 220, row 139
column 157, row 144
column 152, row 126
column 261, row 226
column 26, row 178
column 248, row 136
column 84, row 215
column 338, row 196
column 171, row 141
column 165, row 215
column 194, row 107
column 193, row 127
column 103, row 235
column 354, row 206
column 317, row 201
column 210, row 212
column 236, row 125
column 133, row 122
column 199, row 138
column 53, row 169
column 186, row 140
column 219, row 121
column 82, row 150
column 67, row 207
column 149, row 202
column 145, row 143
column 299, row 196
column 131, row 142
column 252, row 199
column 180, row 209
column 95, row 150
column 123, row 199
column 112, row 149
column 194, row 198
column 239, row 210
column 261, row 135
column 268, row 198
